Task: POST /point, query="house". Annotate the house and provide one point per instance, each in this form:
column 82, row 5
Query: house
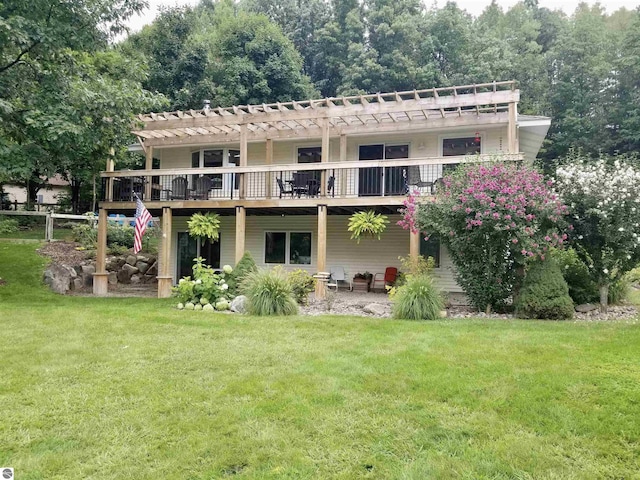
column 286, row 177
column 47, row 196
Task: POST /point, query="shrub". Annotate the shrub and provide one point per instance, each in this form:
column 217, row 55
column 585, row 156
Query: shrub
column 85, row 234
column 619, row 290
column 582, row 289
column 492, row 217
column 246, row 265
column 119, row 237
column 302, row 284
column 269, row 293
column 544, row 293
column 418, row 299
column 204, row 288
column 8, row 225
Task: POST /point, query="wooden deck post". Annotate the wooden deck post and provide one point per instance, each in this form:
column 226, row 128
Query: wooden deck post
column 321, row 251
column 414, row 245
column 324, row 156
column 512, row 133
column 269, row 161
column 243, row 160
column 111, row 166
column 101, row 277
column 148, row 165
column 165, row 279
column 241, row 215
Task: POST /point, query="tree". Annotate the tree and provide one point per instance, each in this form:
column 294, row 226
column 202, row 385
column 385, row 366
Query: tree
column 492, row 219
column 602, row 195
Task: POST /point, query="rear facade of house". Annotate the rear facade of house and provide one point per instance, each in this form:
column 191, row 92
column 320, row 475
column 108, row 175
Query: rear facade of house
column 286, row 177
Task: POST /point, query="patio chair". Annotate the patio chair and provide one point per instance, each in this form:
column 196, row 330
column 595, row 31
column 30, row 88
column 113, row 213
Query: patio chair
column 386, row 278
column 203, row 185
column 413, row 178
column 300, row 183
column 331, row 185
column 178, row 189
column 337, row 276
column 284, row 190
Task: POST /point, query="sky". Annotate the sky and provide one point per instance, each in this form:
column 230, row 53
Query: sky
column 474, row 7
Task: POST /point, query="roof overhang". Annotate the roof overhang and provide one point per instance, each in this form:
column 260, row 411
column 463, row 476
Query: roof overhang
column 532, row 132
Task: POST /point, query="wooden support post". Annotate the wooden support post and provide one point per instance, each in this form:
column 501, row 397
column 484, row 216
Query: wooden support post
column 165, row 279
column 101, row 277
column 414, row 245
column 48, row 228
column 148, row 165
column 512, row 133
column 269, row 161
column 111, row 166
column 243, row 160
column 324, row 156
column 241, row 217
column 321, row 251
column 343, row 158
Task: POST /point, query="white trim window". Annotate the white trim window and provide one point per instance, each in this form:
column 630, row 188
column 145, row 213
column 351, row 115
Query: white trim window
column 287, row 248
column 213, row 158
column 458, row 145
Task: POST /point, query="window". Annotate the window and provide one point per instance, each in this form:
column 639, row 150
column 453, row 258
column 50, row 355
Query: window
column 300, row 248
column 309, row 154
column 431, row 248
column 190, row 248
column 460, row 146
column 275, row 247
column 370, row 180
column 214, row 158
column 292, row 246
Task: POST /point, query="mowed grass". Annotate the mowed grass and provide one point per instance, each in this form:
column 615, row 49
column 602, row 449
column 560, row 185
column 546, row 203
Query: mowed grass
column 132, row 389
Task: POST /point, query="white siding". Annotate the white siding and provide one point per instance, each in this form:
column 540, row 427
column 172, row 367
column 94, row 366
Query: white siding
column 370, row 255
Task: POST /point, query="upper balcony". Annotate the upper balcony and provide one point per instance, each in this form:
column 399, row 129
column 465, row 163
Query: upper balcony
column 360, row 183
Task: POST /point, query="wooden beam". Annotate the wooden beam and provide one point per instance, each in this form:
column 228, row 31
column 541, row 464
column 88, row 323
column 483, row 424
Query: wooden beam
column 148, row 165
column 243, row 160
column 321, row 249
column 101, row 277
column 165, row 278
column 354, row 129
column 343, row 158
column 241, row 217
column 324, row 158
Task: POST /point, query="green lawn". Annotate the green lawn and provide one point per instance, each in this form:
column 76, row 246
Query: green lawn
column 131, row 389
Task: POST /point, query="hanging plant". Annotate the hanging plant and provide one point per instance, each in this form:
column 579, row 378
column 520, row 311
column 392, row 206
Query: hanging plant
column 205, row 225
column 367, row 224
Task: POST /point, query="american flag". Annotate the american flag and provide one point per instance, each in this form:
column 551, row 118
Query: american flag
column 142, row 219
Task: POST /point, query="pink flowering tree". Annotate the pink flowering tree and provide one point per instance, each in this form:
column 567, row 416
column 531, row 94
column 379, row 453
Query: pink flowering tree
column 492, row 218
column 603, row 196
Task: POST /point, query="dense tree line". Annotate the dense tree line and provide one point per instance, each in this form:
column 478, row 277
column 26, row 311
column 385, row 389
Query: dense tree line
column 67, row 93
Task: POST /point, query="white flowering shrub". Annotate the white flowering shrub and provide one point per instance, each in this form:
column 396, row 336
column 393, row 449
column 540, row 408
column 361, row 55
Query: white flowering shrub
column 604, row 203
column 205, row 287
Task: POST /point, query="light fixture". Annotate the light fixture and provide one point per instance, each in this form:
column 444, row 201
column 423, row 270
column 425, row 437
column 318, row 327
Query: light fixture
column 477, row 137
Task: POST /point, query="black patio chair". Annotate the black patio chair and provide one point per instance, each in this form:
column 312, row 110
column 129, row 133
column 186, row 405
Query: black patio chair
column 178, row 189
column 284, row 190
column 203, row 185
column 413, row 178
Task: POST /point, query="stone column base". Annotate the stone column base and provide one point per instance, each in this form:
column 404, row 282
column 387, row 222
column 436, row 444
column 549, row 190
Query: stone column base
column 100, row 284
column 164, row 286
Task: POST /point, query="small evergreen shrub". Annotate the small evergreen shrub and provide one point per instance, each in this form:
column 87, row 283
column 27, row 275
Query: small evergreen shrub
column 246, row 265
column 417, row 299
column 582, row 289
column 302, row 284
column 544, row 293
column 8, row 225
column 269, row 293
column 619, row 290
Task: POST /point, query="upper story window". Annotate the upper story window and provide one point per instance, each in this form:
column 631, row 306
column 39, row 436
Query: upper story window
column 309, row 154
column 461, row 146
column 212, row 158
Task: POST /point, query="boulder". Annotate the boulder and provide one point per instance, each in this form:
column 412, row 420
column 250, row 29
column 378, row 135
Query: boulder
column 113, row 278
column 130, row 269
column 586, row 307
column 131, row 260
column 87, row 280
column 142, row 266
column 443, row 314
column 239, row 304
column 77, row 283
column 135, row 279
column 123, row 277
column 87, row 269
column 153, row 269
column 58, row 278
column 148, row 279
column 375, row 309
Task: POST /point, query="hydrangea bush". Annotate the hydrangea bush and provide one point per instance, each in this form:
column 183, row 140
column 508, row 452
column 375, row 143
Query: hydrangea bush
column 492, row 217
column 603, row 196
column 205, row 288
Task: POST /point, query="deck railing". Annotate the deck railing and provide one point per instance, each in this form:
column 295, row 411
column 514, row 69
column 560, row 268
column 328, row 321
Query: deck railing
column 371, row 178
